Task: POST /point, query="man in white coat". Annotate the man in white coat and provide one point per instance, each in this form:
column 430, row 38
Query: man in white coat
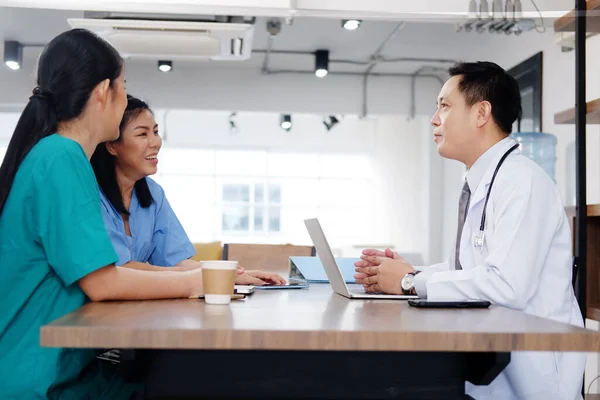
column 523, row 258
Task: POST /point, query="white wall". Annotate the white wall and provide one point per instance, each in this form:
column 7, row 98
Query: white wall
column 398, row 204
column 261, row 130
column 398, row 191
column 8, row 121
column 402, row 172
column 246, row 89
column 558, row 94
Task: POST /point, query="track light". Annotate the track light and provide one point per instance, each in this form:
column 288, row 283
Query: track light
column 473, row 10
column 517, row 10
column 13, row 54
column 321, row 63
column 330, row 122
column 351, row 24
column 484, row 10
column 233, row 128
column 506, row 16
column 165, row 66
column 286, row 122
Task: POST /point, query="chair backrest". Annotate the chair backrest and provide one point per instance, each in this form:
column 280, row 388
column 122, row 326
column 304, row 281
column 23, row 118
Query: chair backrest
column 208, row 251
column 266, row 257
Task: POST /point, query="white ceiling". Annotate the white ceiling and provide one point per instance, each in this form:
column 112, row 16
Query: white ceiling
column 373, row 9
column 241, row 86
column 416, row 40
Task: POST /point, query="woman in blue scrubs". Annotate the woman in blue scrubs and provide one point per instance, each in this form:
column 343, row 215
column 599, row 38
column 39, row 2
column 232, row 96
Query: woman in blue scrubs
column 55, row 253
column 143, row 228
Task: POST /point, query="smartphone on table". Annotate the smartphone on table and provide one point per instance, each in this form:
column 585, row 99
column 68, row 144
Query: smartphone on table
column 243, row 289
column 422, row 303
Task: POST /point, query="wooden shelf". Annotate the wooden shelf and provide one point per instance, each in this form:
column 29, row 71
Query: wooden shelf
column 592, row 396
column 568, row 116
column 593, row 312
column 566, row 23
column 593, row 210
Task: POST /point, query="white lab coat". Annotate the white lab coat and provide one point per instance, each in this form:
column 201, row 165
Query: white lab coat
column 525, row 264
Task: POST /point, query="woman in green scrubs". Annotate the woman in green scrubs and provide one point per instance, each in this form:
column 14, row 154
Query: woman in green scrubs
column 54, row 249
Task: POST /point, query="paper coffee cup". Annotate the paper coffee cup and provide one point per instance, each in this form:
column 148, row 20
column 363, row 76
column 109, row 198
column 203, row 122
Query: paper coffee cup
column 219, row 280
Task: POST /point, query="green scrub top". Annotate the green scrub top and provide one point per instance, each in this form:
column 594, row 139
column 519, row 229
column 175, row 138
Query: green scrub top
column 51, row 235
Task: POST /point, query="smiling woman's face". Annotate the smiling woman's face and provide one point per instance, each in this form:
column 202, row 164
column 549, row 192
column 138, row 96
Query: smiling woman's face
column 137, row 150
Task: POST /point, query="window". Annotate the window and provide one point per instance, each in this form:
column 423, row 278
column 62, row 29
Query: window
column 236, row 208
column 253, row 208
column 259, row 196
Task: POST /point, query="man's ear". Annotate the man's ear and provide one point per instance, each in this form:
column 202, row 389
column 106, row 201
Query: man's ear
column 110, row 147
column 484, row 113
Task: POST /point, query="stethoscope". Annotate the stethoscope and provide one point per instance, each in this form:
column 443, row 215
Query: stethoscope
column 480, row 237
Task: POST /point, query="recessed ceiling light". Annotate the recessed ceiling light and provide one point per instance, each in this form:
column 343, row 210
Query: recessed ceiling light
column 351, row 24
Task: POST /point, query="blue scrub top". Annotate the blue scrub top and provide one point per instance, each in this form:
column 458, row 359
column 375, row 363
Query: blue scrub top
column 157, row 236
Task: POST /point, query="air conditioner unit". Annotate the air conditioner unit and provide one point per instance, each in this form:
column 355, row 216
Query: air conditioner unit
column 173, row 40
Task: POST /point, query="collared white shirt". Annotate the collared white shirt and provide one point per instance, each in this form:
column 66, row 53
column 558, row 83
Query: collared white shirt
column 525, row 264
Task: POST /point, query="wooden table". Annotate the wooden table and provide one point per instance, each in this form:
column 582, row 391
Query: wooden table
column 312, row 343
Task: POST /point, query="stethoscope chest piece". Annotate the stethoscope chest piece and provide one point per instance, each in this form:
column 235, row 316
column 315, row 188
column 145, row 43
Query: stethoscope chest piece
column 478, row 240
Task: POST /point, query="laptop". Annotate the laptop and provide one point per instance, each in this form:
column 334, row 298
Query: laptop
column 334, row 274
column 311, row 269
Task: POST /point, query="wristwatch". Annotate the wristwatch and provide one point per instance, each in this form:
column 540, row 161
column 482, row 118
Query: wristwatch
column 408, row 282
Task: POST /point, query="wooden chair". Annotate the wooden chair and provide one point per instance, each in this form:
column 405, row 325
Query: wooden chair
column 266, row 257
column 208, row 251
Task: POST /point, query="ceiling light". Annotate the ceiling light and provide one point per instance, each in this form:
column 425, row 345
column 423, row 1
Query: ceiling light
column 484, row 10
column 351, row 24
column 286, row 122
column 473, row 9
column 13, row 54
column 13, row 65
column 321, row 63
column 331, row 122
column 517, row 10
column 498, row 9
column 165, row 66
column 233, row 128
column 321, row 73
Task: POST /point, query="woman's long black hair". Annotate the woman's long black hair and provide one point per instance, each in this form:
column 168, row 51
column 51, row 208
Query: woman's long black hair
column 69, row 69
column 105, row 169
